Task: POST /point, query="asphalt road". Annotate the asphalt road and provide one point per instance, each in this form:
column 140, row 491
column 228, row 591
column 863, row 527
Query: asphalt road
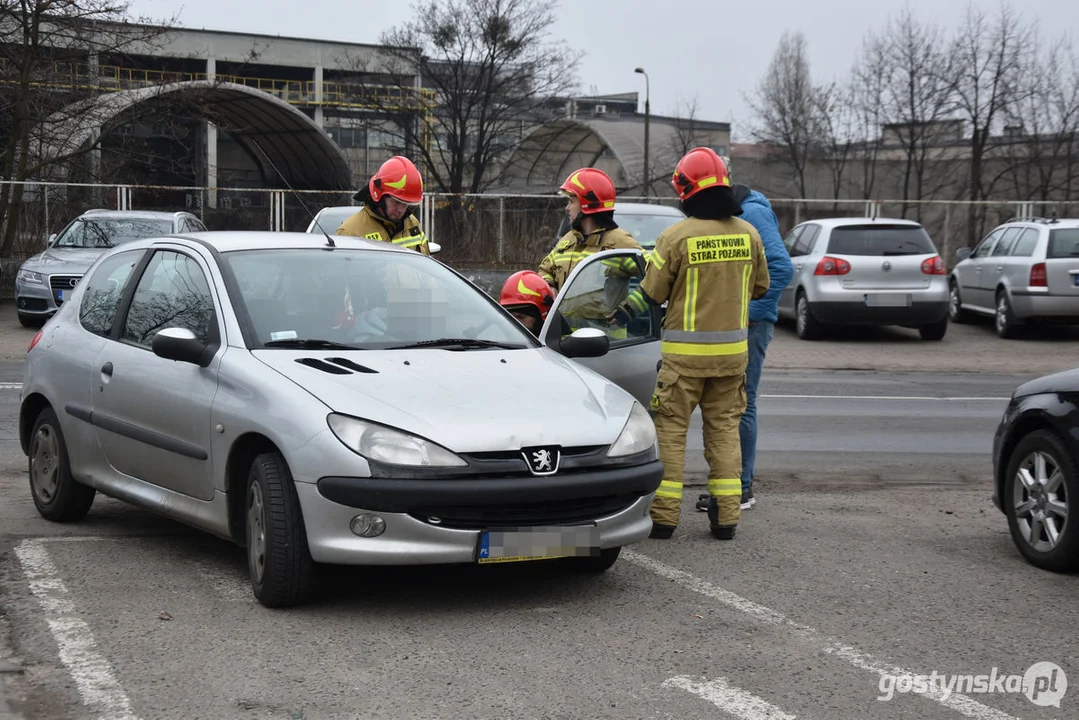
column 873, row 552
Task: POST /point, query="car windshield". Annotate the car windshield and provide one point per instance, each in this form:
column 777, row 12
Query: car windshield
column 364, row 299
column 110, row 232
column 1063, row 243
column 645, row 228
column 330, row 219
column 880, row 240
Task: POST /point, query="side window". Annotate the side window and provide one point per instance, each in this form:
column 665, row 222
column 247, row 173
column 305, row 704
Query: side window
column 791, row 240
column 172, row 293
column 1004, row 245
column 597, row 292
column 1024, row 247
column 808, row 239
column 985, row 247
column 101, row 296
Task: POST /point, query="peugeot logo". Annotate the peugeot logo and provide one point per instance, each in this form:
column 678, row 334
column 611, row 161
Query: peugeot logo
column 887, row 265
column 73, row 282
column 542, row 460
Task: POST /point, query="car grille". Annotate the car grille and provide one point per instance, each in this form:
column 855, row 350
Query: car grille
column 506, row 515
column 62, row 283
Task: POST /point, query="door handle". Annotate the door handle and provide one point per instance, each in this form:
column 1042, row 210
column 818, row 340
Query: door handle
column 106, row 369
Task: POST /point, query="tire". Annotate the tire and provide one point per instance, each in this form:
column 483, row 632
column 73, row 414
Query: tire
column 805, row 324
column 57, row 495
column 31, row 321
column 596, row 563
column 956, row 313
column 1059, row 467
column 936, row 331
column 278, row 560
column 1004, row 318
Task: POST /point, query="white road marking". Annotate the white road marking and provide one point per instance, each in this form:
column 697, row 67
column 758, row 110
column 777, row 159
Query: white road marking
column 729, row 699
column 918, row 398
column 10, row 386
column 93, row 676
column 961, row 704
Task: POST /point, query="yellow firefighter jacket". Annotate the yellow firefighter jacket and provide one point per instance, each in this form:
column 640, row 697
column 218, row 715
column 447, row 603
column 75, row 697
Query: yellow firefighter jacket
column 575, row 247
column 707, row 271
column 368, row 224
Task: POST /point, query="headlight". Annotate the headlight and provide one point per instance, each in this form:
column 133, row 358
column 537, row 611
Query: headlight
column 383, row 444
column 637, row 436
column 29, row 276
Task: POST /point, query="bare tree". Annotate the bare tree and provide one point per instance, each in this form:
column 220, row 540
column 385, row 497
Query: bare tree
column 989, row 59
column 786, row 107
column 493, row 69
column 837, row 124
column 868, row 80
column 49, row 51
column 687, row 132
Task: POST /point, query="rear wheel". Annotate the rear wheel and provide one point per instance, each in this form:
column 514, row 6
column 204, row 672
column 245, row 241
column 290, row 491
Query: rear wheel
column 936, row 331
column 1004, row 318
column 806, row 325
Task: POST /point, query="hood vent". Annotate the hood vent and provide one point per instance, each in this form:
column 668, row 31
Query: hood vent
column 335, row 366
column 345, row 362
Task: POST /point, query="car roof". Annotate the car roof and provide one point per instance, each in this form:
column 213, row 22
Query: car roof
column 232, row 240
column 646, row 209
column 142, row 214
column 1069, row 223
column 835, row 222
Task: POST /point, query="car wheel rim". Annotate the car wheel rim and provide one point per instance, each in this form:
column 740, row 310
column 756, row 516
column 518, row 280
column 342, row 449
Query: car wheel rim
column 1002, row 313
column 801, row 313
column 1041, row 499
column 953, row 302
column 45, row 464
column 256, row 532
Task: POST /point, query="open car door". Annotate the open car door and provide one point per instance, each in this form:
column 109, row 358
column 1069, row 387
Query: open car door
column 591, row 294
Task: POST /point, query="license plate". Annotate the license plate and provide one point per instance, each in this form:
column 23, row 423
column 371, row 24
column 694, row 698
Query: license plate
column 889, row 300
column 537, row 543
column 60, row 295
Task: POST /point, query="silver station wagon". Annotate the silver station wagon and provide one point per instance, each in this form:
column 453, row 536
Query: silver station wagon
column 343, row 401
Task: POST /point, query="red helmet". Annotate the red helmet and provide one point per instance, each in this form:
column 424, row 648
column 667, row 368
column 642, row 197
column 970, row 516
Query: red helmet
column 526, row 290
column 398, row 178
column 700, row 168
column 593, row 188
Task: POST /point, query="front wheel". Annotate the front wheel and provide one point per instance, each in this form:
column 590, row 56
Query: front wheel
column 57, row 495
column 1038, row 489
column 278, row 559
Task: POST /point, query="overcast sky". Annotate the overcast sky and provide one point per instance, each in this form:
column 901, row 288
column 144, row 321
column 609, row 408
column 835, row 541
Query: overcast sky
column 714, row 50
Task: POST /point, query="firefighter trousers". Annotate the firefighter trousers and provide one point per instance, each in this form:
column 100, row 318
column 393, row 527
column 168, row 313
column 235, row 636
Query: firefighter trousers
column 722, row 401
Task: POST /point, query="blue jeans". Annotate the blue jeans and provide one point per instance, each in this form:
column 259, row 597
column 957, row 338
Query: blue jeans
column 760, row 335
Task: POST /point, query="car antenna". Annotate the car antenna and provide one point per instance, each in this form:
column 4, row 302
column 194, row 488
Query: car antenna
column 329, row 240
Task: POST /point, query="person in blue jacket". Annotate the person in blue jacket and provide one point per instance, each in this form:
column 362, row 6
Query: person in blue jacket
column 763, row 314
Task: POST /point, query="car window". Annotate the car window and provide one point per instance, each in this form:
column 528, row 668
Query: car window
column 791, row 239
column 103, row 290
column 93, row 232
column 880, row 240
column 596, row 293
column 331, row 219
column 807, row 240
column 1007, row 240
column 172, row 293
column 1063, row 243
column 1024, row 247
column 985, row 247
column 370, row 299
column 645, row 229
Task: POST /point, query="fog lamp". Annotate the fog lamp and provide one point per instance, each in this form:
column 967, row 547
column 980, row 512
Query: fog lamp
column 367, row 525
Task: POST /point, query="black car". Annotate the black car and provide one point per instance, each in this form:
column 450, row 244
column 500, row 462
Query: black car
column 1035, row 456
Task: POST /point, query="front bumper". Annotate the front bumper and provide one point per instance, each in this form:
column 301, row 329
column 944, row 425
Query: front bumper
column 34, row 299
column 441, row 520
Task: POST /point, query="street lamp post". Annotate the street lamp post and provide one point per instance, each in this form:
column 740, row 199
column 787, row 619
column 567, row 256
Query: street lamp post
column 647, row 119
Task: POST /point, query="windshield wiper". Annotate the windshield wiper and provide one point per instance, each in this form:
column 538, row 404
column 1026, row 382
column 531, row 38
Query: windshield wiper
column 310, row 343
column 459, row 342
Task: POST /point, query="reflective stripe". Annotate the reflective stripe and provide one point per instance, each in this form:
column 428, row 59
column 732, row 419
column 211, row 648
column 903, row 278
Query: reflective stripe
column 725, row 487
column 410, row 241
column 745, row 295
column 689, row 309
column 704, row 349
column 657, row 260
column 636, row 299
column 723, row 336
column 671, row 489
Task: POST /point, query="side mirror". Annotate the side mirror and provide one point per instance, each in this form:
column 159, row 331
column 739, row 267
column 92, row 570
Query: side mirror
column 962, row 254
column 179, row 344
column 586, row 342
column 433, row 247
column 51, row 240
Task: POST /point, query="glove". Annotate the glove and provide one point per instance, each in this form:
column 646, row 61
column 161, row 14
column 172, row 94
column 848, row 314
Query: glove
column 371, row 322
column 620, row 317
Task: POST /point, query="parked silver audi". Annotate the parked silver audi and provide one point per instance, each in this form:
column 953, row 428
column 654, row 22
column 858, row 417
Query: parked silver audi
column 862, row 271
column 344, row 402
column 1022, row 272
column 47, row 279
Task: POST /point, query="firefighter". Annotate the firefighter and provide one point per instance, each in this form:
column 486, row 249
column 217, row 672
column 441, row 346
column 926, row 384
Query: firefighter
column 706, row 268
column 388, row 201
column 590, row 197
column 528, row 297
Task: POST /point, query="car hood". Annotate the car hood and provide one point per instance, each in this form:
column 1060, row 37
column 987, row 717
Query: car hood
column 1066, row 381
column 467, row 401
column 64, row 258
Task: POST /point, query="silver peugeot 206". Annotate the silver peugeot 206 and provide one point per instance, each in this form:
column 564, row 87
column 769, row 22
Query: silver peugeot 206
column 343, row 401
